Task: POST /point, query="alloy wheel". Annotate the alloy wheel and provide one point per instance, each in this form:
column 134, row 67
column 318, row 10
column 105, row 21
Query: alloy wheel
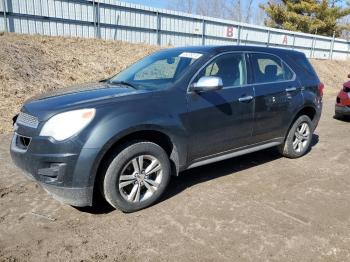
column 140, row 178
column 301, row 137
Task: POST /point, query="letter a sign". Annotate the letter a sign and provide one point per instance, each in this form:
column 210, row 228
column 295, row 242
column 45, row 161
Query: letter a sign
column 285, row 40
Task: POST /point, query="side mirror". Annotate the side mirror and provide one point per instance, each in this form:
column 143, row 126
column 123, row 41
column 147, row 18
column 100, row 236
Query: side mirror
column 207, row 83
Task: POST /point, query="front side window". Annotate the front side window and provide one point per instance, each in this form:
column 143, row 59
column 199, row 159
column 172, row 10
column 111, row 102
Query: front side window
column 268, row 68
column 229, row 67
column 159, row 70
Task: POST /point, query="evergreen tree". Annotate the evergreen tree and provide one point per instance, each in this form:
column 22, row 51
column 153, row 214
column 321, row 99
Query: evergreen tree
column 308, row 16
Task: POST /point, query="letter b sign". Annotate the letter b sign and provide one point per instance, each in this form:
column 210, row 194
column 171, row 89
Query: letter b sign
column 230, row 31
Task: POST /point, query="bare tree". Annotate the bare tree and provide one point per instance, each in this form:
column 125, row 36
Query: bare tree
column 213, row 8
column 237, row 10
column 187, row 6
column 248, row 11
column 258, row 17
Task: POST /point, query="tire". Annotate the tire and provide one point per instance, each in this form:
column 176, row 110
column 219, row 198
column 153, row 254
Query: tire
column 124, row 168
column 296, row 146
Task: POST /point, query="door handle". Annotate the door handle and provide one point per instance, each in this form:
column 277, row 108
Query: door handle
column 245, row 99
column 291, row 89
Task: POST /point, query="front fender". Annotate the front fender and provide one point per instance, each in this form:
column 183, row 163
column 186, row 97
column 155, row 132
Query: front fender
column 110, row 129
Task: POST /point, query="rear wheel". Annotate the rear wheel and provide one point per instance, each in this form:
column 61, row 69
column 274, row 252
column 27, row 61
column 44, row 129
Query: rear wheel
column 298, row 139
column 137, row 176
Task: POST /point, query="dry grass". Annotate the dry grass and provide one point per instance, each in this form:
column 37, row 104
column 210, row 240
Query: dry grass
column 32, row 64
column 332, row 73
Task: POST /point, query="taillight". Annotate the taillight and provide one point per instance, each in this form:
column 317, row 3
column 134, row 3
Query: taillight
column 320, row 88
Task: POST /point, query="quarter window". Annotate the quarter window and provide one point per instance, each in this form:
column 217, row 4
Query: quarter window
column 229, row 67
column 268, row 68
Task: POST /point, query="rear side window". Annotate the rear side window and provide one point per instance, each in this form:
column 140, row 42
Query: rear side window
column 269, row 68
column 303, row 63
column 230, row 68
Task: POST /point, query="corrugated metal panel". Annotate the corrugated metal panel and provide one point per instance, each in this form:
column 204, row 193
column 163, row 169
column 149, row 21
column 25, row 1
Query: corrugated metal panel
column 2, row 7
column 115, row 20
column 2, row 24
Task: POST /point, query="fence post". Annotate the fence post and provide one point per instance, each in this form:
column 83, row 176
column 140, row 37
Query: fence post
column 293, row 42
column 98, row 20
column 268, row 38
column 96, row 12
column 94, row 17
column 203, row 32
column 5, row 15
column 332, row 46
column 312, row 47
column 158, row 28
column 347, row 39
column 239, row 35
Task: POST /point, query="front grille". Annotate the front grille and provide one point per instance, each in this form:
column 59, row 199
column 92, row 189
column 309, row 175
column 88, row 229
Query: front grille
column 27, row 120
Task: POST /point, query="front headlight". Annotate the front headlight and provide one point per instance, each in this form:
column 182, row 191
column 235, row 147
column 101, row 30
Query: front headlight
column 67, row 124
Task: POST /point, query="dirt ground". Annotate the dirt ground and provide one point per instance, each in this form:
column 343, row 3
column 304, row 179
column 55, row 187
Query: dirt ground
column 258, row 207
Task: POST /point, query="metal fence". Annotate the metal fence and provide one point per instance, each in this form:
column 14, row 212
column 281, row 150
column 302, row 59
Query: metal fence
column 115, row 20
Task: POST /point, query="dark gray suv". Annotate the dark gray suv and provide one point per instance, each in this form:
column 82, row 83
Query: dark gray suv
column 173, row 110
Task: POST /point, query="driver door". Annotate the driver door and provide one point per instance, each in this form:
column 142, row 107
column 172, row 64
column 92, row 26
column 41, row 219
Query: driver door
column 221, row 120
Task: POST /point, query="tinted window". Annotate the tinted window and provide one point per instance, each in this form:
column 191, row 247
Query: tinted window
column 268, row 68
column 303, row 63
column 229, row 67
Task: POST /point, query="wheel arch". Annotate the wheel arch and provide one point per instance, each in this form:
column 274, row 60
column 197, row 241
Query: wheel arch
column 154, row 135
column 307, row 110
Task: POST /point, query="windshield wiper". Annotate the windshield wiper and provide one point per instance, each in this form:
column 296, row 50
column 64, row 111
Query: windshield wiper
column 123, row 83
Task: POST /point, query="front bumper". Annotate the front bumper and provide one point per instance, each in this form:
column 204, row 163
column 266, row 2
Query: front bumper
column 63, row 168
column 342, row 110
column 79, row 197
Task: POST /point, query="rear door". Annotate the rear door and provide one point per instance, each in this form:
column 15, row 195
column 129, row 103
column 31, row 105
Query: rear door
column 221, row 120
column 277, row 94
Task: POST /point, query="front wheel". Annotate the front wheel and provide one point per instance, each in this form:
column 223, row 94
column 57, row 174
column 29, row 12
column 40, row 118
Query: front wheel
column 298, row 139
column 137, row 176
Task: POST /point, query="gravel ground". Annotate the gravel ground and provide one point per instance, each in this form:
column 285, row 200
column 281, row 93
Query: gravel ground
column 258, row 207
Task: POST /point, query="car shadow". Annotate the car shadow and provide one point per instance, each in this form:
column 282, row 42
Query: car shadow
column 191, row 177
column 194, row 176
column 342, row 119
column 314, row 141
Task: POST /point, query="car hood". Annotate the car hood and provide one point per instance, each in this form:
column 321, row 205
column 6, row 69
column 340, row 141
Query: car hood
column 45, row 105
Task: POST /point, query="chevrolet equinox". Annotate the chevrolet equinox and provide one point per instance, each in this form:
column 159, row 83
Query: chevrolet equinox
column 173, row 110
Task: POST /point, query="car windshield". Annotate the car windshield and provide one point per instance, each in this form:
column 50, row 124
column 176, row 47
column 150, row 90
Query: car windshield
column 157, row 71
